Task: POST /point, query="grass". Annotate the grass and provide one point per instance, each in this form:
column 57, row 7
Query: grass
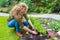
column 6, row 33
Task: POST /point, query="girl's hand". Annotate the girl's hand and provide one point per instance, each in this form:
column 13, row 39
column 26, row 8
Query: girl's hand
column 34, row 32
column 19, row 34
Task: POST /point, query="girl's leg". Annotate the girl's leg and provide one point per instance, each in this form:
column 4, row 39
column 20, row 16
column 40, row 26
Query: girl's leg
column 17, row 27
column 25, row 23
column 11, row 23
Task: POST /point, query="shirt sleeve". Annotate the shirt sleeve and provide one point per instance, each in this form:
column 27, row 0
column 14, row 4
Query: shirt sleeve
column 26, row 17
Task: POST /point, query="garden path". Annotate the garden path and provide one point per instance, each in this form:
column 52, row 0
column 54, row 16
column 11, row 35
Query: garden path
column 53, row 16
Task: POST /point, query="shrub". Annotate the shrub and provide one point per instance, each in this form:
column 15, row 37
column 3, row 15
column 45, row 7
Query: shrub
column 38, row 6
column 48, row 6
column 43, row 6
column 3, row 3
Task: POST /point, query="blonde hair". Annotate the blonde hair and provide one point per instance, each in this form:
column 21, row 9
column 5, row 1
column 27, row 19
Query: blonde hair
column 24, row 4
column 21, row 8
column 18, row 11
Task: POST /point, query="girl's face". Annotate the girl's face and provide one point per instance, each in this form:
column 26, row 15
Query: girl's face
column 24, row 10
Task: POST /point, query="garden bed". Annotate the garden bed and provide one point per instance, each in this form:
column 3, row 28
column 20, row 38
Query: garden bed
column 45, row 24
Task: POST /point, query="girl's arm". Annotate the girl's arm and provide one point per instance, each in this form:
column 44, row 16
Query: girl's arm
column 29, row 30
column 30, row 23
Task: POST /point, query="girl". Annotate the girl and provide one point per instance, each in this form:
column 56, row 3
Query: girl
column 16, row 19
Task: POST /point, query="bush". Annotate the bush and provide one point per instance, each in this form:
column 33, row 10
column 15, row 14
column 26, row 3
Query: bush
column 6, row 9
column 50, row 5
column 3, row 3
column 56, row 7
column 38, row 6
column 43, row 6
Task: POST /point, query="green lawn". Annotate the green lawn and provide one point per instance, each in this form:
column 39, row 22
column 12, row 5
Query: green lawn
column 6, row 33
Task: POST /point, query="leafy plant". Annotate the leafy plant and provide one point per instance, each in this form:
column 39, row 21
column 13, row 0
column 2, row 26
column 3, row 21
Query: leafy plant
column 37, row 25
column 55, row 24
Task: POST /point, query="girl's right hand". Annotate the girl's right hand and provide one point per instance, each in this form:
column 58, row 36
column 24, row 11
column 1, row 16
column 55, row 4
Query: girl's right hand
column 34, row 32
column 19, row 34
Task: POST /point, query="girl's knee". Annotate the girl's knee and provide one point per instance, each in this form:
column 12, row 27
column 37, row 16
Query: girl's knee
column 11, row 23
column 25, row 23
